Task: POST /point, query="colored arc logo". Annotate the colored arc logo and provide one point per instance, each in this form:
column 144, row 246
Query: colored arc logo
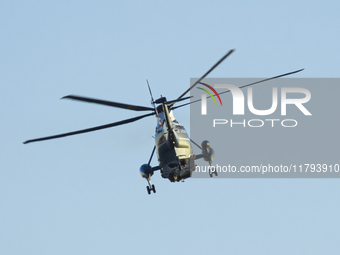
column 211, row 95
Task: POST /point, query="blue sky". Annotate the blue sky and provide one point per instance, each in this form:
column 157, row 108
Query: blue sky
column 84, row 194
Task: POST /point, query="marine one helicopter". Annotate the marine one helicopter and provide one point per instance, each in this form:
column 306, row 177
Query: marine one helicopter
column 173, row 145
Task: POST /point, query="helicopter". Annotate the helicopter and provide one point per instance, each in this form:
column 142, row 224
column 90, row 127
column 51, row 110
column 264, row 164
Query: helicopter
column 172, row 142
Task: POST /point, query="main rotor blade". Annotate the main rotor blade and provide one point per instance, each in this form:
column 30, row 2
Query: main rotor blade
column 268, row 79
column 212, row 68
column 150, row 92
column 122, row 122
column 250, row 84
column 109, row 103
column 178, row 100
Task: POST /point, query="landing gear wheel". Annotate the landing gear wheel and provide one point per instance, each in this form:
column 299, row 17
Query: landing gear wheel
column 153, row 188
column 215, row 173
column 148, row 189
column 210, row 174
